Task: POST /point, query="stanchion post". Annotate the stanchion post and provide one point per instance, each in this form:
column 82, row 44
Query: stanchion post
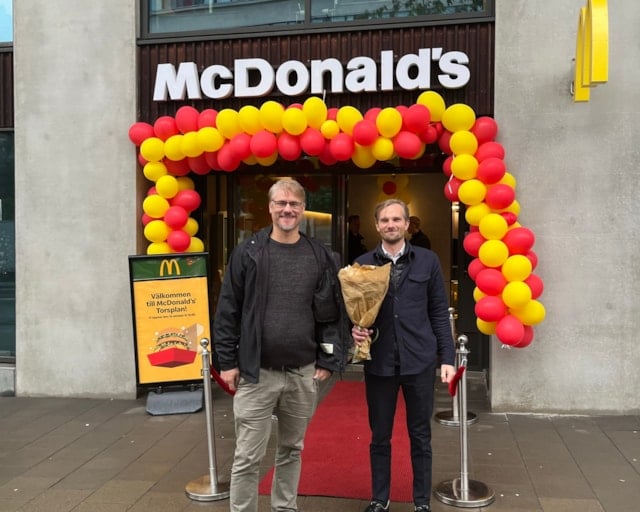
column 452, row 418
column 462, row 492
column 208, row 487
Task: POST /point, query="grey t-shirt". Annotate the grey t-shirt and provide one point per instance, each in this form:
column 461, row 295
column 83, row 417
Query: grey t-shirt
column 288, row 331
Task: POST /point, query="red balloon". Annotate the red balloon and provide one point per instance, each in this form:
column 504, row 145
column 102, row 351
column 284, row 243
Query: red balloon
column 212, row 159
column 165, row 127
column 485, row 129
column 446, row 165
column 499, row 196
column 341, row 147
column 332, row 114
column 389, row 188
column 533, row 258
column 510, row 217
column 199, row 165
column 519, row 240
column 187, row 199
column 227, row 159
column 490, row 281
column 451, row 188
column 240, row 146
column 326, row 157
column 407, row 145
column 312, row 141
column 510, row 330
column 263, row 144
column 429, row 135
column 146, row 219
column 365, row 132
column 289, row 146
column 179, row 240
column 187, row 119
column 176, row 217
column 139, row 132
column 491, row 170
column 207, row 118
column 490, row 308
column 372, row 114
column 488, row 150
column 474, row 268
column 177, row 167
column 536, row 284
column 527, row 338
column 472, row 243
column 141, row 160
column 443, row 142
column 416, row 118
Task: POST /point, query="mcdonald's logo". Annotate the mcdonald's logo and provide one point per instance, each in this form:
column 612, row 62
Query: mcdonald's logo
column 592, row 49
column 170, row 266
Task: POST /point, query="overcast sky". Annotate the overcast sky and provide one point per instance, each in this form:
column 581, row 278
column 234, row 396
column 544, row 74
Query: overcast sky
column 6, row 26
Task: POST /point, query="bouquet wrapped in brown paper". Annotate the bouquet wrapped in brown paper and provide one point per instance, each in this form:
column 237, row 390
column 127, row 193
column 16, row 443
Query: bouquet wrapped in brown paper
column 363, row 289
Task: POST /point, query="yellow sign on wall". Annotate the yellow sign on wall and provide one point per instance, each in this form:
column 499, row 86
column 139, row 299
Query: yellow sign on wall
column 592, row 49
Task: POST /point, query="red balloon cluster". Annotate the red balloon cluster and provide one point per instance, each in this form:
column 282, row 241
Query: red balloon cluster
column 507, row 290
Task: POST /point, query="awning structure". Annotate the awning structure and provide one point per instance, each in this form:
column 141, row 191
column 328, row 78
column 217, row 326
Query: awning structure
column 171, row 148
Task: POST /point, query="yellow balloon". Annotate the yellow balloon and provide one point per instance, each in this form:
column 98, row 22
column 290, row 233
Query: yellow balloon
column 190, row 144
column 363, row 156
column 167, row 186
column 347, row 117
column 382, row 149
column 508, row 179
column 389, row 122
column 155, row 206
column 249, row 119
column 329, row 129
column 486, row 327
column 458, row 117
column 153, row 170
column 476, row 213
column 173, row 148
column 464, row 167
column 316, row 111
column 513, row 208
column 152, row 149
column 516, row 294
column 250, row 160
column 517, row 268
column 493, row 253
column 159, row 248
column 228, row 123
column 156, row 231
column 294, row 121
column 210, row 139
column 271, row 116
column 472, row 192
column 268, row 160
column 434, row 102
column 463, row 142
column 493, row 227
column 478, row 294
column 196, row 245
column 185, row 183
column 532, row 313
column 191, row 227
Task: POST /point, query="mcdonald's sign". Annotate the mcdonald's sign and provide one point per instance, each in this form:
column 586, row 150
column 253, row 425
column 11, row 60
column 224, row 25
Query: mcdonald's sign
column 592, row 49
column 169, row 267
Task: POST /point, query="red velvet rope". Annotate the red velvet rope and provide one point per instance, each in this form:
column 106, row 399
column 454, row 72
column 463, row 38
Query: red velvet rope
column 221, row 383
column 453, row 385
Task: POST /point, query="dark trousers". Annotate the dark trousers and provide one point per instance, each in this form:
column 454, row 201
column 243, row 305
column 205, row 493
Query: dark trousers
column 382, row 397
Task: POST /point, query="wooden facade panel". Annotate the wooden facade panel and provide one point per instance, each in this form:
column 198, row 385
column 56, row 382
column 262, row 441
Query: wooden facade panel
column 474, row 39
column 6, row 90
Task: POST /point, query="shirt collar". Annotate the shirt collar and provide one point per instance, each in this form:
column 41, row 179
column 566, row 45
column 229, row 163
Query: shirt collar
column 394, row 257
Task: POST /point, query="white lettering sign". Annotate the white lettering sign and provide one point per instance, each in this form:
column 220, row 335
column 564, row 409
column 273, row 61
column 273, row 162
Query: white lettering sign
column 252, row 78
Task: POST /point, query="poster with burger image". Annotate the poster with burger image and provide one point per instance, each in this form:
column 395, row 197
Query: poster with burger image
column 175, row 346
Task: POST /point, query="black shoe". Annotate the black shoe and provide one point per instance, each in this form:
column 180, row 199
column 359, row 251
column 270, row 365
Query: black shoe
column 422, row 508
column 376, row 506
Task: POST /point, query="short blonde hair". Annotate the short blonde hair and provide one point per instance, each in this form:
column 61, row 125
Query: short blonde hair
column 288, row 185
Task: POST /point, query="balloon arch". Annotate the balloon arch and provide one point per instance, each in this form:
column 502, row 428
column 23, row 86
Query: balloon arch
column 507, row 291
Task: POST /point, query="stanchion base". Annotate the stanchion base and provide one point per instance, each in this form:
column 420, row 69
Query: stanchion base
column 201, row 489
column 447, row 418
column 477, row 494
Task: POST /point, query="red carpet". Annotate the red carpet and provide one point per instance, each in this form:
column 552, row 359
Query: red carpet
column 335, row 459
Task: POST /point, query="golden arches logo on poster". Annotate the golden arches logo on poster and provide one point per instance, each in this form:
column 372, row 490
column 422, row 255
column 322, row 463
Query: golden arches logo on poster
column 169, row 267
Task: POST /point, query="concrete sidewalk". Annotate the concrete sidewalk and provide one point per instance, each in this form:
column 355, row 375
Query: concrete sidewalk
column 88, row 455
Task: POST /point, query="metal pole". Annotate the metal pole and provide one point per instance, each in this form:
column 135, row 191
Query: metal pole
column 207, row 487
column 462, row 492
column 452, row 418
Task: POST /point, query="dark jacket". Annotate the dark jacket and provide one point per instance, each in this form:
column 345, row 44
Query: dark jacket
column 238, row 320
column 413, row 322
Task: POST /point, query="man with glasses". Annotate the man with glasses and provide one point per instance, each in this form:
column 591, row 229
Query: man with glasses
column 279, row 330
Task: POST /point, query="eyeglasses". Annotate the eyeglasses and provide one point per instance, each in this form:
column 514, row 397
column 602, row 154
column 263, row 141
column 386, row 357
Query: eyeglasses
column 295, row 205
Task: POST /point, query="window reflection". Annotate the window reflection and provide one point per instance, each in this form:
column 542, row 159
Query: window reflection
column 6, row 21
